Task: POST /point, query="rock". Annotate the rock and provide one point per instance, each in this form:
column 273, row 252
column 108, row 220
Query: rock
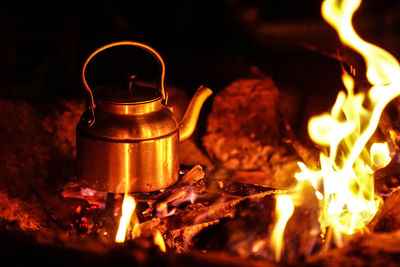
column 26, row 149
column 244, row 129
column 61, row 124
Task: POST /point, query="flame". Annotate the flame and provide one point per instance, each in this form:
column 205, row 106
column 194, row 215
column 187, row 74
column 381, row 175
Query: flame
column 159, row 241
column 128, row 208
column 284, row 210
column 380, row 155
column 344, row 181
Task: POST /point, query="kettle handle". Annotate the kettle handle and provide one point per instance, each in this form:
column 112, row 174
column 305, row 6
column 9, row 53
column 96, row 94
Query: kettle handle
column 154, row 53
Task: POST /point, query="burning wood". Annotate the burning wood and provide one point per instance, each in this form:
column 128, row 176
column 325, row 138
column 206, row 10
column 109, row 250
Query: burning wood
column 233, row 188
column 198, row 214
column 167, row 214
column 343, row 181
column 178, row 193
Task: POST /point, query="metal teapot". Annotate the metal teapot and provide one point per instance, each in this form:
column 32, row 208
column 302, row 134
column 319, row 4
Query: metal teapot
column 128, row 141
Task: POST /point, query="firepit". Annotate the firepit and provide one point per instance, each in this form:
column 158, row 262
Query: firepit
column 251, row 187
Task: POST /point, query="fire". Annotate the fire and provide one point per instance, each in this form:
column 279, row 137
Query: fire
column 284, row 210
column 159, row 241
column 344, row 181
column 380, row 155
column 128, row 209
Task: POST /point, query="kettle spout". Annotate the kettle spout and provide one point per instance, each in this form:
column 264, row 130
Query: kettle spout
column 189, row 121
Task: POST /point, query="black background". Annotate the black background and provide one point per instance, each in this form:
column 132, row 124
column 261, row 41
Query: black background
column 44, row 44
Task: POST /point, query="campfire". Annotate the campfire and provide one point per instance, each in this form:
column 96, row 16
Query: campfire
column 249, row 190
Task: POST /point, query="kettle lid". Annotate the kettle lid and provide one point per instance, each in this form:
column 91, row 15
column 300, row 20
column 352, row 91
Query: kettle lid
column 120, row 94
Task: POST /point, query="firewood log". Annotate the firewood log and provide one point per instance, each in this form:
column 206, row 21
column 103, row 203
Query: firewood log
column 382, row 249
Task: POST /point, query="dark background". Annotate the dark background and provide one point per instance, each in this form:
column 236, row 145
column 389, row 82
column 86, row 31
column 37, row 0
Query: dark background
column 211, row 42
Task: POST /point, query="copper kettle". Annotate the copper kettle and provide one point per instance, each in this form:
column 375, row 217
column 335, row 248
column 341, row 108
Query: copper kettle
column 128, row 140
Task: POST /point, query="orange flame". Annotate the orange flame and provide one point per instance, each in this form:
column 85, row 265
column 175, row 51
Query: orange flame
column 159, row 241
column 128, row 209
column 344, row 181
column 284, row 210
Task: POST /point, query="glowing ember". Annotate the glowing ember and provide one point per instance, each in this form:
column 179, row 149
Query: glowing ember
column 344, row 181
column 128, row 208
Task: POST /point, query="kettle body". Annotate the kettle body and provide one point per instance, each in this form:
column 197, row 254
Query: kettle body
column 129, row 149
column 129, row 140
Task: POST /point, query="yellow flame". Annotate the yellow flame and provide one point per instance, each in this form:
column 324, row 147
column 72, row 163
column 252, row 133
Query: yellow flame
column 346, row 172
column 284, row 210
column 380, row 155
column 159, row 241
column 128, row 205
column 344, row 182
column 128, row 208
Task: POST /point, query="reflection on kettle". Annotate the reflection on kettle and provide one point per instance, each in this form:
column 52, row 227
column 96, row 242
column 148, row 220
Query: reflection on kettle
column 130, row 136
